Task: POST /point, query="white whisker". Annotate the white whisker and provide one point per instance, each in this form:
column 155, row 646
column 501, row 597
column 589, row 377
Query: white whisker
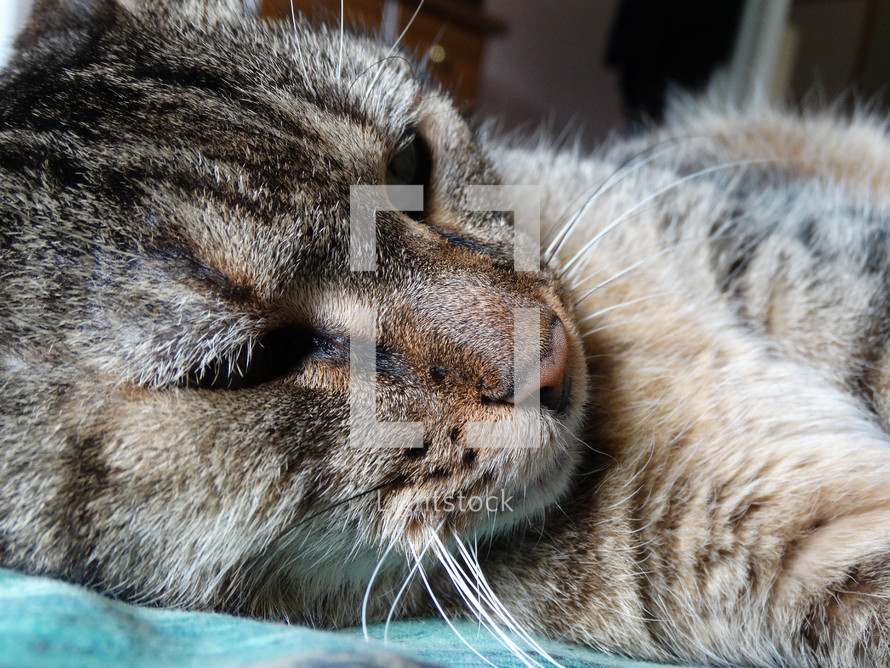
column 340, row 54
column 614, row 179
column 630, row 302
column 465, row 589
column 636, row 265
column 441, row 610
column 395, row 45
column 689, row 177
column 472, row 563
column 403, row 589
column 602, row 328
column 371, row 584
column 402, row 34
column 624, row 271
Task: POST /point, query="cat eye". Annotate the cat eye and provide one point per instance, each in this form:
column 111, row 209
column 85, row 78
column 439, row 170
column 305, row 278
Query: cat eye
column 272, row 356
column 412, row 165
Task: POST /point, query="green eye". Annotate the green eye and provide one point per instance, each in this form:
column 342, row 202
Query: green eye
column 411, row 166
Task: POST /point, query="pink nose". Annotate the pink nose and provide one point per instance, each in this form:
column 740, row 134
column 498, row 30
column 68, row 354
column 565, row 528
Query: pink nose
column 553, row 382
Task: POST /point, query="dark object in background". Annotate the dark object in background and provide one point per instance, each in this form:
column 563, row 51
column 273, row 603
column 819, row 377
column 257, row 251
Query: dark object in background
column 656, row 43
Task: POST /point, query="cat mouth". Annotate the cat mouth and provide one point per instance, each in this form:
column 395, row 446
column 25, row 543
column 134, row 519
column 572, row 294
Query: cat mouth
column 529, row 481
column 502, row 462
column 485, row 514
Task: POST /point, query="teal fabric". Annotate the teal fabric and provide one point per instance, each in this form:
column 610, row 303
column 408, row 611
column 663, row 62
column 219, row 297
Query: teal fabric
column 45, row 622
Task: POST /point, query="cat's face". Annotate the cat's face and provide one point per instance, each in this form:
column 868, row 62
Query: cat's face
column 177, row 295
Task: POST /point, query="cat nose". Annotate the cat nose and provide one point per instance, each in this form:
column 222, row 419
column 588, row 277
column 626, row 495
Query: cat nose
column 553, row 379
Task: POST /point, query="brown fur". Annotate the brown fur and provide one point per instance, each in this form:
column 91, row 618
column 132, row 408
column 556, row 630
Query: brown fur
column 174, row 193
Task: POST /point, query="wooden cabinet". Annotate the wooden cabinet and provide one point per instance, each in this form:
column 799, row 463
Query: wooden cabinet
column 449, row 35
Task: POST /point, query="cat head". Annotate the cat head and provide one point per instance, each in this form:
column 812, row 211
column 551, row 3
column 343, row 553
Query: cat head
column 179, row 420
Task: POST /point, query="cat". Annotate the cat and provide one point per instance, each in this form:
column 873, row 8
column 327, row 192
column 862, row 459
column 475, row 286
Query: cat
column 710, row 481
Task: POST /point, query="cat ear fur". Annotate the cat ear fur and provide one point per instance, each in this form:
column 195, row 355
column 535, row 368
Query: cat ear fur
column 53, row 16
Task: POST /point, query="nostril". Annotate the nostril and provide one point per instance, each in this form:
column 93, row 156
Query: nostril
column 554, row 368
column 553, row 379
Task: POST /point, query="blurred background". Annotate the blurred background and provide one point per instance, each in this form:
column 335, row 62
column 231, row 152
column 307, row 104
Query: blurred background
column 593, row 66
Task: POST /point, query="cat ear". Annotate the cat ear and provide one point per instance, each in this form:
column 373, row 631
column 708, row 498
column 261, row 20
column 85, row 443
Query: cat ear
column 54, row 16
column 91, row 16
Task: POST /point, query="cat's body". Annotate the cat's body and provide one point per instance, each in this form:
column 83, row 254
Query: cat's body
column 174, row 189
column 735, row 367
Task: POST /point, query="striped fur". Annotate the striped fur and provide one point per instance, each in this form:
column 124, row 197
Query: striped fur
column 174, row 202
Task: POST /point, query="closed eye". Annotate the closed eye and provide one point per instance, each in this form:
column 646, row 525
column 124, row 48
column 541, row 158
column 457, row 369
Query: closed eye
column 267, row 358
column 412, row 165
column 501, row 256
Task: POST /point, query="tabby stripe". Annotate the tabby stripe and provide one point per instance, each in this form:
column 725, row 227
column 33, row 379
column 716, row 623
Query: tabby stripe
column 870, row 351
column 74, row 516
column 643, row 554
column 876, row 260
column 732, row 251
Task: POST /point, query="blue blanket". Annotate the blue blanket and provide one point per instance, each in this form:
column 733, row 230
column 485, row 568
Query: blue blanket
column 44, row 622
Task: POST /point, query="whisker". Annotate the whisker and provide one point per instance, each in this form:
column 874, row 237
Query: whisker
column 403, row 589
column 615, row 277
column 358, row 495
column 675, row 184
column 370, row 67
column 459, row 578
column 616, row 177
column 441, row 610
column 293, row 18
column 367, row 595
column 395, row 45
column 602, row 328
column 627, row 303
column 624, row 170
column 637, row 265
column 340, row 54
column 688, row 242
column 472, row 562
column 409, row 24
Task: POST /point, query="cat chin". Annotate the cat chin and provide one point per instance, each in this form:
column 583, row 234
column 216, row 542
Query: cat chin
column 545, row 478
column 539, row 495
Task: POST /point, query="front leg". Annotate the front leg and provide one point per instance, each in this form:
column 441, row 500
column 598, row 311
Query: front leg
column 741, row 514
